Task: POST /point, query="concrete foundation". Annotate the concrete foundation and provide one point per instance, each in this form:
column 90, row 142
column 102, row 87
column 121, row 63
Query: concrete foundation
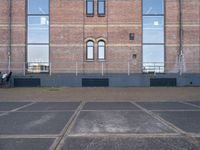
column 114, row 80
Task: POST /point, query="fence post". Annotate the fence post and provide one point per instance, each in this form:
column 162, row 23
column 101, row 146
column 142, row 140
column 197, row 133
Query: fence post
column 24, row 68
column 50, row 69
column 102, row 69
column 180, row 66
column 128, row 68
column 76, row 68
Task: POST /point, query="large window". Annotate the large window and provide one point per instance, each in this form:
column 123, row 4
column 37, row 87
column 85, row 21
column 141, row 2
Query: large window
column 101, row 7
column 101, row 50
column 153, row 36
column 38, row 35
column 90, row 7
column 90, row 50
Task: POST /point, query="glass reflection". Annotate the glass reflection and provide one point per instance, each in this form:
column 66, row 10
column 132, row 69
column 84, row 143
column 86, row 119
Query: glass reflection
column 101, row 50
column 38, row 36
column 153, row 58
column 153, row 36
column 38, row 29
column 153, row 7
column 38, row 6
column 38, row 53
column 38, row 58
column 101, row 7
column 90, row 50
column 153, row 29
column 90, row 7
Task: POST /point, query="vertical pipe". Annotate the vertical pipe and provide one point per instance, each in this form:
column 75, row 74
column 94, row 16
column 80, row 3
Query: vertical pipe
column 180, row 39
column 9, row 33
column 199, row 37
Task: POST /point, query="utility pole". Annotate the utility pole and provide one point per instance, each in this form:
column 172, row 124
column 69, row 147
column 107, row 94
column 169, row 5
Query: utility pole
column 9, row 33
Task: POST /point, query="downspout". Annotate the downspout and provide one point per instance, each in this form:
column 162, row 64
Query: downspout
column 9, row 34
column 180, row 53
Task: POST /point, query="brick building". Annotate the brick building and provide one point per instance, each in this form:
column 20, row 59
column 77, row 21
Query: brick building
column 100, row 42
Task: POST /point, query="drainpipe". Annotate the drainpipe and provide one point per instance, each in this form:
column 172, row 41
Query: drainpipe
column 9, row 34
column 180, row 53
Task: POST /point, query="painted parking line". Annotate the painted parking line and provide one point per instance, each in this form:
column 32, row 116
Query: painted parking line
column 51, row 106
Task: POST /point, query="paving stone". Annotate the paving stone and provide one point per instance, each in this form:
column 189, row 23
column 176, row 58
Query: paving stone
column 34, row 122
column 46, row 106
column 117, row 122
column 110, row 106
column 188, row 121
column 25, row 144
column 7, row 106
column 128, row 143
column 166, row 106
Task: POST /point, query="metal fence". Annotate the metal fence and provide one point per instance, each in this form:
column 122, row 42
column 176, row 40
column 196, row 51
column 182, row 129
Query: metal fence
column 101, row 67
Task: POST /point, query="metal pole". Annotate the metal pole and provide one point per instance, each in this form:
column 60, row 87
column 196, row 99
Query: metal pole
column 128, row 68
column 50, row 69
column 76, row 68
column 102, row 69
column 24, row 68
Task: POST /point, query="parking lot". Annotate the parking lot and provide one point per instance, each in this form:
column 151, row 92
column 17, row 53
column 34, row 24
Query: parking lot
column 89, row 125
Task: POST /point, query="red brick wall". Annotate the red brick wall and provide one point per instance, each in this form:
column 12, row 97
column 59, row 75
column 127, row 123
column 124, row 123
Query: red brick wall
column 70, row 27
column 191, row 35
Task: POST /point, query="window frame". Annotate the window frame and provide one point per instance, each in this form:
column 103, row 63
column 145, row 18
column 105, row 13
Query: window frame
column 87, row 13
column 164, row 35
column 90, row 59
column 98, row 46
column 104, row 7
column 37, row 44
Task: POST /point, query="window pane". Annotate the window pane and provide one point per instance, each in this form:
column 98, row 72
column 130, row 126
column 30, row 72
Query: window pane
column 153, row 58
column 38, row 6
column 90, row 43
column 38, row 58
column 101, row 54
column 90, row 9
column 38, row 29
column 153, row 7
column 101, row 43
column 90, row 52
column 153, row 29
column 101, row 50
column 38, row 53
column 101, row 7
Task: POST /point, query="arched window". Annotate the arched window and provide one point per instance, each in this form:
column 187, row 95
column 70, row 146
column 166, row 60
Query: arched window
column 101, row 50
column 90, row 50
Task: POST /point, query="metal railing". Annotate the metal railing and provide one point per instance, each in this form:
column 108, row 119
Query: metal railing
column 101, row 67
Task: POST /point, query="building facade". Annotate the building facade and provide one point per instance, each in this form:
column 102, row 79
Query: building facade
column 111, row 42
